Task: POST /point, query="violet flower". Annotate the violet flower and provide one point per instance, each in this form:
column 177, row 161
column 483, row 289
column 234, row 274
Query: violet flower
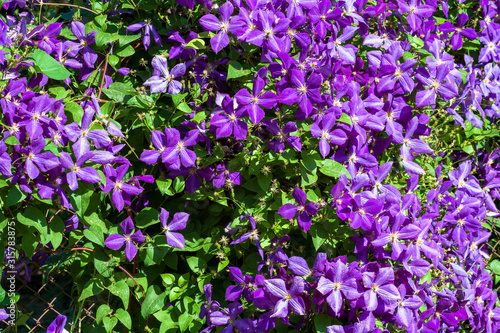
column 225, row 317
column 148, row 30
column 57, row 326
column 178, row 223
column 286, row 297
column 379, row 284
column 121, row 190
column 211, row 23
column 459, row 31
column 251, row 104
column 338, row 284
column 288, row 211
column 87, row 174
column 116, row 241
column 166, row 81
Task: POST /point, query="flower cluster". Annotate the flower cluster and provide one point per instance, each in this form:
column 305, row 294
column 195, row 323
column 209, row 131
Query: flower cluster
column 339, row 158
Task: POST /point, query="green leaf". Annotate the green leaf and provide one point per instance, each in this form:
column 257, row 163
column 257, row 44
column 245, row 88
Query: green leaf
column 319, row 235
column 103, row 38
column 121, row 289
column 236, row 70
column 345, row 119
column 12, row 140
column 80, row 198
column 75, row 110
column 321, row 321
column 120, row 92
column 168, row 279
column 103, row 263
column 163, row 185
column 175, row 293
column 495, row 266
column 56, row 227
column 103, row 311
column 125, row 51
column 33, row 217
column 146, row 217
column 95, row 235
column 124, row 40
column 14, row 196
column 196, row 44
column 154, row 301
column 184, row 107
column 93, row 287
column 332, row 168
column 197, row 264
column 124, row 317
column 109, row 323
column 49, row 66
column 184, row 321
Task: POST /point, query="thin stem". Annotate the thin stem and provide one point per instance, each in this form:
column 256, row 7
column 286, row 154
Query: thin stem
column 130, row 275
column 103, row 76
column 64, row 4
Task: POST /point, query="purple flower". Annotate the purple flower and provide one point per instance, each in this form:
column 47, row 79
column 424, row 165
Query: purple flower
column 436, row 84
column 178, row 223
column 3, row 314
column 278, row 146
column 379, row 284
column 417, row 12
column 57, row 326
column 322, row 129
column 87, row 174
column 225, row 121
column 286, row 297
column 89, row 55
column 459, row 31
column 121, row 190
column 337, row 284
column 225, row 317
column 163, row 80
column 251, row 104
column 176, row 152
column 211, row 23
column 305, row 92
column 288, row 211
column 149, row 29
column 35, row 158
column 116, row 241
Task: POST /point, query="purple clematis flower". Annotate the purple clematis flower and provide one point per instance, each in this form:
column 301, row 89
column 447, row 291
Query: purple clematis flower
column 57, row 326
column 278, row 146
column 176, row 152
column 116, row 241
column 163, row 80
column 322, row 129
column 459, row 31
column 436, row 84
column 225, row 122
column 149, row 29
column 211, row 23
column 287, row 297
column 288, row 211
column 178, row 223
column 87, row 174
column 251, row 104
column 380, row 284
column 115, row 182
column 417, row 12
column 338, row 284
column 89, row 55
column 34, row 157
column 225, row 317
column 305, row 92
